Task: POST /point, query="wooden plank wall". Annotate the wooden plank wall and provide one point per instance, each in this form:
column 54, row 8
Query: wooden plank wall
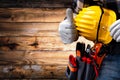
column 30, row 46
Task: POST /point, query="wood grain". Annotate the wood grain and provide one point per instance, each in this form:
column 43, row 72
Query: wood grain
column 34, row 57
column 34, row 64
column 32, row 14
column 26, row 72
column 42, row 43
column 32, row 26
column 35, row 3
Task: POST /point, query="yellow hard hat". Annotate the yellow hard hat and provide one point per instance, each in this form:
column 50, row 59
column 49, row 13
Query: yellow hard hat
column 87, row 22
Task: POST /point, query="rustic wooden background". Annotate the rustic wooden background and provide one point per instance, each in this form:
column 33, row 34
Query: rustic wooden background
column 30, row 46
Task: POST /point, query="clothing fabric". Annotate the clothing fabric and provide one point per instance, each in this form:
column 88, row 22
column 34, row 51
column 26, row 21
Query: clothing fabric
column 110, row 68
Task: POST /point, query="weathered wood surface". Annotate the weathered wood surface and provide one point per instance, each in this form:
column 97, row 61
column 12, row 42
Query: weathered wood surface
column 34, row 64
column 32, row 14
column 32, row 43
column 35, row 3
column 35, row 57
column 33, row 72
column 30, row 26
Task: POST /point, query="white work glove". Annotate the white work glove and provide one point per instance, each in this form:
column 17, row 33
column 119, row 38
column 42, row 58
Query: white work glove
column 115, row 30
column 67, row 30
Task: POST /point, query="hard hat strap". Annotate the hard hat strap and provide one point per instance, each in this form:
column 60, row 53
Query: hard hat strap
column 97, row 35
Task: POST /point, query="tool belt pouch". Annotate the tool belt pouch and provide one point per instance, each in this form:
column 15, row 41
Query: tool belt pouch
column 70, row 74
column 81, row 70
column 71, row 71
column 89, row 72
column 86, row 64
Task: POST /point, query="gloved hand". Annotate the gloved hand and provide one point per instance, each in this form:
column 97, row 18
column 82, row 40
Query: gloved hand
column 67, row 30
column 115, row 30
